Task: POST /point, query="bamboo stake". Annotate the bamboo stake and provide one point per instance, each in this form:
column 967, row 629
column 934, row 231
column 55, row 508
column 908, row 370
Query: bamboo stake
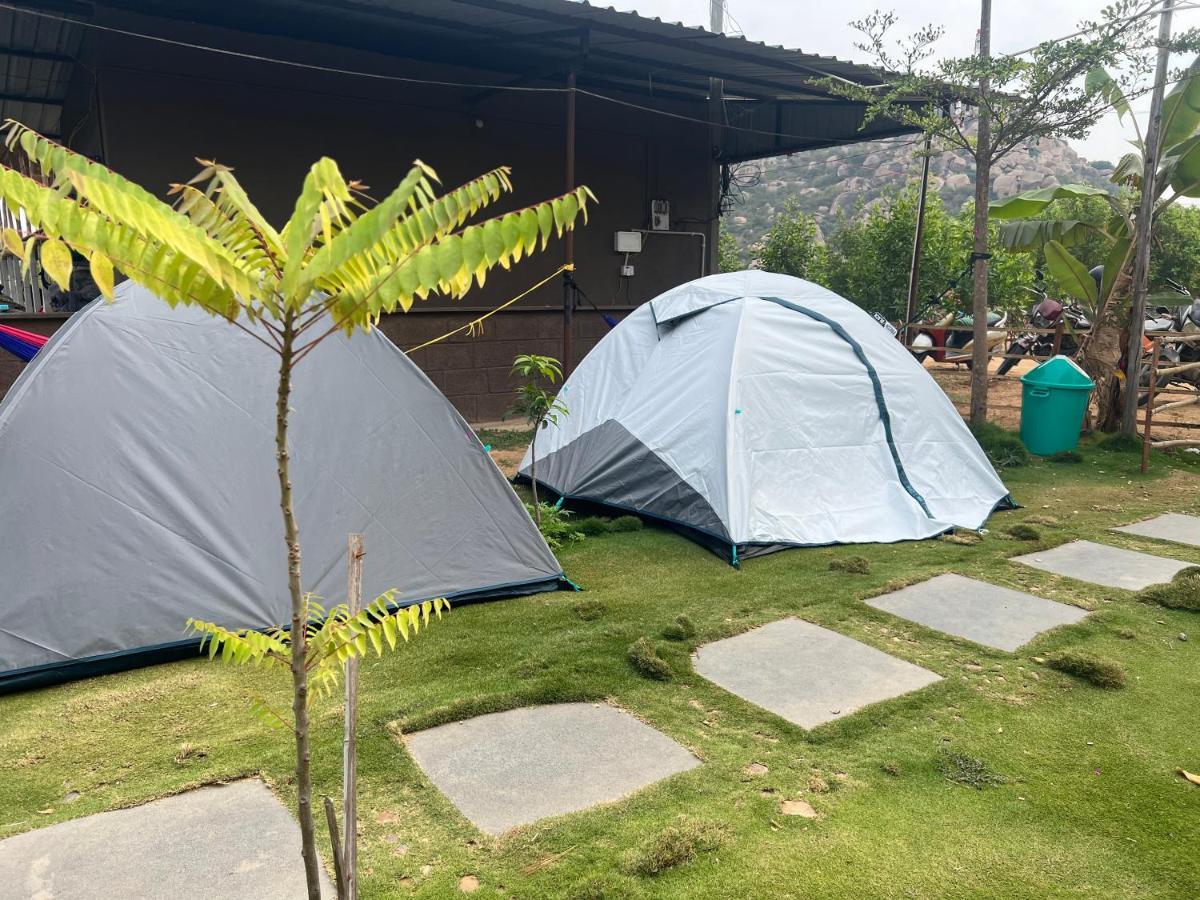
column 354, row 561
column 1131, row 380
column 339, row 873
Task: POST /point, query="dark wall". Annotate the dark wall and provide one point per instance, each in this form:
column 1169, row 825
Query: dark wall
column 150, row 109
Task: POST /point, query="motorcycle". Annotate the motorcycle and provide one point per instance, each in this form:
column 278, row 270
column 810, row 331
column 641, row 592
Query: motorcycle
column 934, row 339
column 1179, row 319
column 1047, row 313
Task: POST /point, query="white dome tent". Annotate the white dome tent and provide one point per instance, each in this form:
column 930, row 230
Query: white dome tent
column 759, row 411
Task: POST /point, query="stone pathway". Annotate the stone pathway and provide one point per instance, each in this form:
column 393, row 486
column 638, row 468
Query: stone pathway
column 1105, row 565
column 978, row 611
column 512, row 768
column 1168, row 527
column 235, row 840
column 807, row 674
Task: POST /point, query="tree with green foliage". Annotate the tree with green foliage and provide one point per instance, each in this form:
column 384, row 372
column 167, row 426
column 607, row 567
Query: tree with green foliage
column 989, row 105
column 1177, row 177
column 729, row 254
column 338, row 264
column 538, row 405
column 792, row 246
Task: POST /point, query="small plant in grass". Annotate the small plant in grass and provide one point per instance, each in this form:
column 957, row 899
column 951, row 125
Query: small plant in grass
column 1120, row 443
column 681, row 629
column 1003, row 448
column 675, row 846
column 960, row 536
column 967, row 770
column 1183, row 592
column 853, row 565
column 625, row 523
column 540, row 408
column 589, row 609
column 555, row 524
column 1098, row 670
column 644, row 657
column 1023, row 532
column 591, row 526
column 1065, row 456
column 1048, row 521
column 892, row 769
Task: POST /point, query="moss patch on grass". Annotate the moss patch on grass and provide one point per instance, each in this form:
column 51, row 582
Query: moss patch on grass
column 681, row 629
column 1098, row 670
column 1023, row 532
column 1183, row 591
column 966, row 770
column 853, row 565
column 644, row 657
column 1003, row 448
column 675, row 846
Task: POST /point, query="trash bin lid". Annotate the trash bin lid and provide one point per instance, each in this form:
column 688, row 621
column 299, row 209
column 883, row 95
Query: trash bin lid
column 1059, row 372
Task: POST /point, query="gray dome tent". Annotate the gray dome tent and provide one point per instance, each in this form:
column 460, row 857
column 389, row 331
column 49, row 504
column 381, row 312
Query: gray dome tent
column 756, row 411
column 138, row 488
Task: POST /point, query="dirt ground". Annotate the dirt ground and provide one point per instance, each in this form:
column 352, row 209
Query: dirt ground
column 1004, row 399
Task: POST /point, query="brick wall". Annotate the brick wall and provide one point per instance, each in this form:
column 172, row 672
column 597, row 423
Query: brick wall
column 473, row 372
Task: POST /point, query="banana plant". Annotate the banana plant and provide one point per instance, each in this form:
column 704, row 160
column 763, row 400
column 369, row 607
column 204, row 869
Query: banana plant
column 1177, row 176
column 340, row 262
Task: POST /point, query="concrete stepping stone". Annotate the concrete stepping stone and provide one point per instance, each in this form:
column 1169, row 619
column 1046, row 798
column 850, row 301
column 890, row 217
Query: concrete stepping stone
column 807, row 674
column 1168, row 527
column 980, row 612
column 512, row 768
column 1105, row 565
column 234, row 840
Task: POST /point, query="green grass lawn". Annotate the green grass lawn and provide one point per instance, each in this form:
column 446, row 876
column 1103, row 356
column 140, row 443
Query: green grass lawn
column 1090, row 803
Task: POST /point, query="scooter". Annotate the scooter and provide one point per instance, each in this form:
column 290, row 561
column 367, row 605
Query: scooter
column 1181, row 319
column 1047, row 313
column 934, row 339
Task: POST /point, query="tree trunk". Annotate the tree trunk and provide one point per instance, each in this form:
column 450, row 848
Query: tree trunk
column 291, row 534
column 1102, row 353
column 983, row 184
column 979, row 295
column 537, row 510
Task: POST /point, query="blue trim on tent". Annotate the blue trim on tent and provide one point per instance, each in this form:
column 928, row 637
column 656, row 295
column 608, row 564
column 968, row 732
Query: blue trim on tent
column 48, row 674
column 884, row 417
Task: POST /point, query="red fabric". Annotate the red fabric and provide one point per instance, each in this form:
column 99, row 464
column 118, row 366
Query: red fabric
column 28, row 337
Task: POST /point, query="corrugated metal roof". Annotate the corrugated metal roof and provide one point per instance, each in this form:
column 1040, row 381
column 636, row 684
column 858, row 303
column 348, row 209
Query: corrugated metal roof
column 36, row 59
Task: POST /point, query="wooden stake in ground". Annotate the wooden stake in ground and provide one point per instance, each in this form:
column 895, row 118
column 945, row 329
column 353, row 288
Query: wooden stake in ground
column 354, row 558
column 979, row 254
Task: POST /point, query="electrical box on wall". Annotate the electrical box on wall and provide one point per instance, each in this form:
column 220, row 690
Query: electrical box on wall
column 660, row 215
column 627, row 242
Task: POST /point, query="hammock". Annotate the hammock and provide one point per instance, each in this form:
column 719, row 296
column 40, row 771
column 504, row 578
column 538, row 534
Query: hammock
column 20, row 343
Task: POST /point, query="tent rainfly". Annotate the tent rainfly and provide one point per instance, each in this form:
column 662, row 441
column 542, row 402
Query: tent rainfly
column 138, row 488
column 758, row 411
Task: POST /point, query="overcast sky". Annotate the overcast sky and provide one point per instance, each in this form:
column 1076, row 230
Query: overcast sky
column 821, row 27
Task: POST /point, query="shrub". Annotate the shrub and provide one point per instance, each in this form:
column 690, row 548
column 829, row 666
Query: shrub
column 963, row 769
column 644, row 658
column 681, row 629
column 625, row 523
column 1098, row 670
column 854, row 565
column 675, row 846
column 555, row 525
column 591, row 526
column 1066, row 456
column 589, row 609
column 1003, row 448
column 1023, row 532
column 1121, row 443
column 1182, row 593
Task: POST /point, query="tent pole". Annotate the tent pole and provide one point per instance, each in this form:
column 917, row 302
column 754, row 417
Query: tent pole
column 914, row 271
column 569, row 237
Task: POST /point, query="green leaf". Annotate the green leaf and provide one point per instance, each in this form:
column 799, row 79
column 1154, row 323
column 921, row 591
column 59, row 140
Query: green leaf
column 1181, row 109
column 1071, row 275
column 102, row 273
column 1182, row 168
column 1113, row 264
column 1032, row 234
column 1030, row 203
column 1099, row 81
column 56, row 260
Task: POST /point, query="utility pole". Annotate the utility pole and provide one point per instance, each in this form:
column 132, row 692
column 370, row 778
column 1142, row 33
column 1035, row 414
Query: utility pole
column 1141, row 238
column 914, row 271
column 979, row 250
column 716, row 115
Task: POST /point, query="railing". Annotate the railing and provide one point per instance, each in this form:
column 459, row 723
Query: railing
column 1153, row 392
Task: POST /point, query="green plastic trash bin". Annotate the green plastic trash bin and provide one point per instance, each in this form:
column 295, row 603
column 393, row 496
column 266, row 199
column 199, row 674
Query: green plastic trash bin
column 1054, row 398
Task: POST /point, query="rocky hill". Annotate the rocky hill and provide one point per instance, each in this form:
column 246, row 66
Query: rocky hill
column 845, row 181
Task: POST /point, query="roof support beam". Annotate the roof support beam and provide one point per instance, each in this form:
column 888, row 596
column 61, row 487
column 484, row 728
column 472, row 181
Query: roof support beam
column 23, row 98
column 33, row 54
